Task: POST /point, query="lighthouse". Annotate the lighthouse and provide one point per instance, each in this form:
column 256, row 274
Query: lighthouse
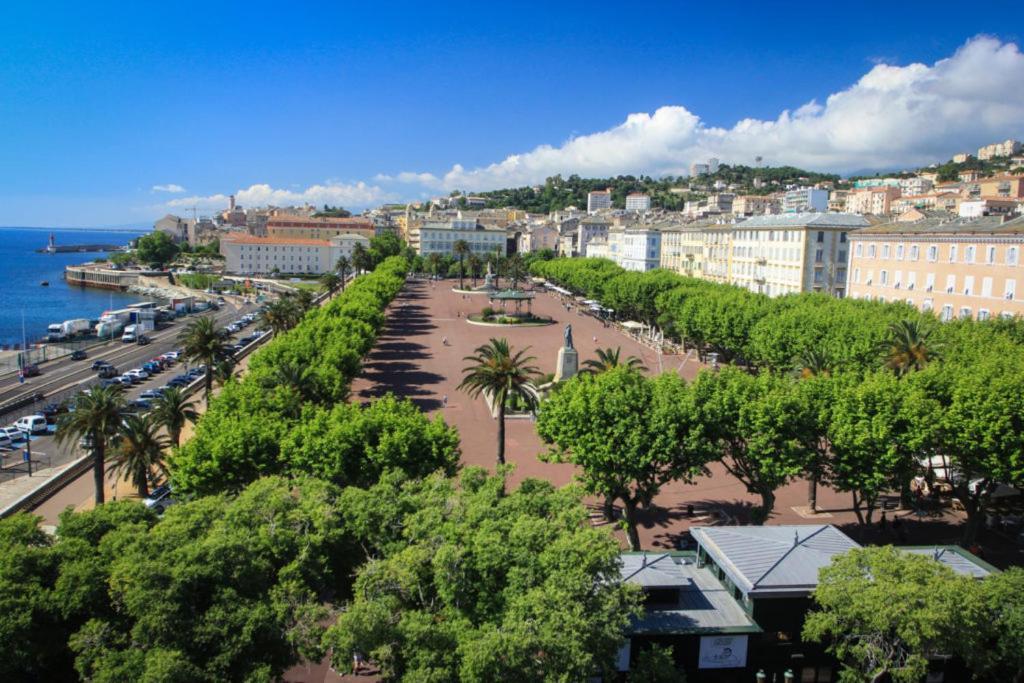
column 51, row 245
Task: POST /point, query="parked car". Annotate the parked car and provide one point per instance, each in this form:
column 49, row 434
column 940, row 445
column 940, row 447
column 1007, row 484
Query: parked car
column 99, row 364
column 129, row 379
column 31, row 370
column 14, row 434
column 152, row 367
column 79, row 354
column 139, row 404
column 51, row 410
column 160, row 498
column 143, row 340
column 150, row 394
column 108, row 371
column 111, row 382
column 32, row 424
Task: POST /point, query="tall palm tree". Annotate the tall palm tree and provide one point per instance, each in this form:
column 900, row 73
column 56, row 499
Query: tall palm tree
column 907, row 347
column 434, row 261
column 514, row 269
column 203, row 343
column 331, row 282
column 294, row 377
column 461, row 250
column 139, row 451
column 813, row 363
column 495, row 261
column 500, row 375
column 474, row 264
column 343, row 266
column 172, row 409
column 361, row 258
column 224, row 370
column 96, row 419
column 611, row 358
column 281, row 315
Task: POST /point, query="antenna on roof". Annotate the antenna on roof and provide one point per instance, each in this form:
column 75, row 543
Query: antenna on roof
column 796, row 538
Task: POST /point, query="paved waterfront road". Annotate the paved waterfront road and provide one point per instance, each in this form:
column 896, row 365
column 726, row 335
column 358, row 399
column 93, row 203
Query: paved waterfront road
column 70, row 377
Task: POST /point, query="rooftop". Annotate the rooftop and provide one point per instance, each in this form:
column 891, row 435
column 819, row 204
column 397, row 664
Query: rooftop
column 702, row 605
column 806, row 220
column 764, row 560
column 948, row 224
column 240, row 238
column 954, row 557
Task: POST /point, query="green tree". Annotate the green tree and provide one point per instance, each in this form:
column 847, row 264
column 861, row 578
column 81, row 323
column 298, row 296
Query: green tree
column 471, row 583
column 361, row 259
column 499, row 375
column 758, row 423
column 813, row 363
column 629, row 436
column 909, row 346
column 880, row 428
column 992, row 641
column 96, row 419
column 203, row 343
column 172, row 409
column 611, row 358
column 281, row 315
column 331, row 282
column 139, row 451
column 461, row 250
column 656, row 664
column 475, row 264
column 157, row 248
column 883, row 612
column 343, row 266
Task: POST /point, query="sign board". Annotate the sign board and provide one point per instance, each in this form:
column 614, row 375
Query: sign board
column 623, row 656
column 722, row 652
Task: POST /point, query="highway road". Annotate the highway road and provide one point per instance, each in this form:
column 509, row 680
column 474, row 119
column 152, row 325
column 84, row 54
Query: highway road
column 66, row 378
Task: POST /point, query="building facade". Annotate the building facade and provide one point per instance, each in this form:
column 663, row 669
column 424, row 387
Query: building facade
column 999, row 149
column 805, row 199
column 249, row 255
column 682, row 250
column 875, row 200
column 309, row 228
column 751, row 205
column 440, row 237
column 598, row 200
column 635, row 248
column 957, row 268
column 638, row 201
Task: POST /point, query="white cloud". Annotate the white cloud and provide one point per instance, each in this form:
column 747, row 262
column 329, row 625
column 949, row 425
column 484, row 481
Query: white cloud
column 894, row 116
column 357, row 195
column 173, row 188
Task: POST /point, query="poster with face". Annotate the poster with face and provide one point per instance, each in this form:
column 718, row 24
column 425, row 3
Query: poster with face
column 723, row 652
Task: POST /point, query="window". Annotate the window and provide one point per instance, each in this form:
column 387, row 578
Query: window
column 1010, row 290
column 842, row 238
column 952, row 253
column 984, row 314
column 911, row 279
column 947, row 313
column 968, row 285
column 885, row 251
column 927, row 305
column 819, row 255
column 859, row 250
column 933, row 252
column 897, row 279
column 871, row 251
column 856, row 275
column 965, row 312
column 929, row 282
column 899, row 251
column 1011, row 256
column 969, row 254
column 950, row 283
column 986, row 286
column 883, row 278
column 915, row 252
column 990, row 257
column 821, row 236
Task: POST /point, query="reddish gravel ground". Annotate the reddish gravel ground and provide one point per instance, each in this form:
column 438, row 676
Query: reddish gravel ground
column 411, row 360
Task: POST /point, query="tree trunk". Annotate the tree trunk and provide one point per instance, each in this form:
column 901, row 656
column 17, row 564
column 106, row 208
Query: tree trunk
column 144, row 489
column 856, row 507
column 501, row 430
column 175, row 437
column 767, row 505
column 975, row 513
column 609, row 509
column 631, row 531
column 98, row 471
column 460, row 274
column 812, row 492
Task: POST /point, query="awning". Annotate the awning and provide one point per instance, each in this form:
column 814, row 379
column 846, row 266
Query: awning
column 633, row 325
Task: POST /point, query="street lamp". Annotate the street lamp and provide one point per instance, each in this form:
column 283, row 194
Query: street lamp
column 788, row 676
column 761, row 676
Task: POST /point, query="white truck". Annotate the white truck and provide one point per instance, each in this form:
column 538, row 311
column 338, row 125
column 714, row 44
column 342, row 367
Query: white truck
column 54, row 332
column 132, row 332
column 108, row 329
column 72, row 328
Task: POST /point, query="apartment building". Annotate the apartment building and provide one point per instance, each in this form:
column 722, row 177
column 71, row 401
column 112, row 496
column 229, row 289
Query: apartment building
column 536, row 237
column 805, row 199
column 915, row 185
column 875, row 200
column 598, row 200
column 789, row 253
column 956, row 267
column 637, row 201
column 682, row 248
column 1002, row 187
column 999, row 149
column 751, row 205
column 250, row 255
column 309, row 228
column 440, row 236
column 589, row 228
column 634, row 248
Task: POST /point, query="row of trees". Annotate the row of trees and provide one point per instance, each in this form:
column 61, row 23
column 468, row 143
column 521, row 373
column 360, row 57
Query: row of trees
column 851, row 393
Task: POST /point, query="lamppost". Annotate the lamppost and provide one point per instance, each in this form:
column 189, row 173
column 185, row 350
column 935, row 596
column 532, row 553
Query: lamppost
column 761, row 676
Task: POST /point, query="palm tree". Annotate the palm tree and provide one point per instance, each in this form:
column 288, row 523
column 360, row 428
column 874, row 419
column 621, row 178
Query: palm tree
column 203, row 343
column 139, row 451
column 906, row 347
column 294, row 377
column 495, row 261
column 461, row 250
column 611, row 358
column 434, row 260
column 812, row 363
column 330, row 282
column 224, row 370
column 172, row 410
column 499, row 375
column 474, row 264
column 514, row 269
column 95, row 419
column 361, row 258
column 343, row 266
column 281, row 315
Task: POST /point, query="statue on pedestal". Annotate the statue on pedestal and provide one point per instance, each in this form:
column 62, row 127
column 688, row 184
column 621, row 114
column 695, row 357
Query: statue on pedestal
column 568, row 336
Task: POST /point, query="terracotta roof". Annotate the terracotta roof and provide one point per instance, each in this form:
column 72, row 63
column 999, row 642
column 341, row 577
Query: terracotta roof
column 250, row 239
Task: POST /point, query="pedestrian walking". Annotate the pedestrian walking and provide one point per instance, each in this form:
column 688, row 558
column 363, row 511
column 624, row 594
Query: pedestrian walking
column 357, row 663
column 444, row 401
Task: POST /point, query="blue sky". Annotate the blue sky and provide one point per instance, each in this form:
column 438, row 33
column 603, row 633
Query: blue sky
column 101, row 102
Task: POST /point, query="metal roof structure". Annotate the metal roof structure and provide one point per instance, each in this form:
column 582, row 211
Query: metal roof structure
column 947, row 225
column 767, row 560
column 954, row 557
column 702, row 605
column 805, row 220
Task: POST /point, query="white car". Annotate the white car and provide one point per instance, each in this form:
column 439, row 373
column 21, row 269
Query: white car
column 32, row 424
column 173, row 355
column 138, row 372
column 13, row 434
column 5, row 441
